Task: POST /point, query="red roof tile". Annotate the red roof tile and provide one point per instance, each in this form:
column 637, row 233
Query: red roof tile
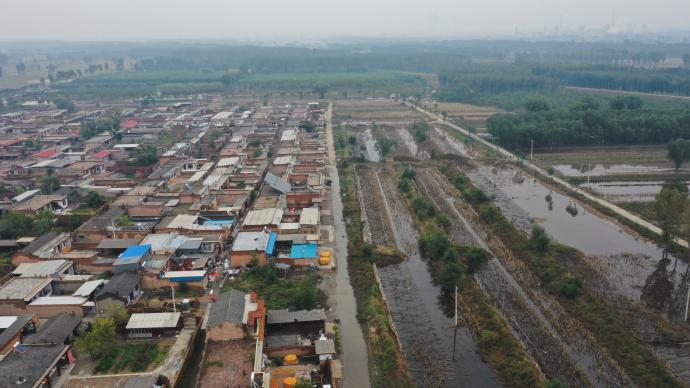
column 46, row 154
column 129, row 124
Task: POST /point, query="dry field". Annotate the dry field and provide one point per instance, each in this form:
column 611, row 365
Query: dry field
column 471, row 114
column 378, row 110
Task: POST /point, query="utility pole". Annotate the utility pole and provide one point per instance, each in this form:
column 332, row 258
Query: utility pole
column 172, row 288
column 531, row 150
column 687, row 302
column 455, row 328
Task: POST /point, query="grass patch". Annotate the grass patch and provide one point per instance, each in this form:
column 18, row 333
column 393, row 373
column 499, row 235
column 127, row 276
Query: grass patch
column 137, row 356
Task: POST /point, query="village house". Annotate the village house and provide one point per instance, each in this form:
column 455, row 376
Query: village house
column 235, row 315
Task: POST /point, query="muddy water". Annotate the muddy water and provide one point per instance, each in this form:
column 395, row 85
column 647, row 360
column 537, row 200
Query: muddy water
column 625, row 259
column 370, row 152
column 626, row 191
column 577, row 170
column 425, row 331
column 354, row 354
column 407, row 140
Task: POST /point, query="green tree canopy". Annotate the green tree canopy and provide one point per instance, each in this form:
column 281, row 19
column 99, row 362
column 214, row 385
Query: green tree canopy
column 49, row 184
column 98, row 339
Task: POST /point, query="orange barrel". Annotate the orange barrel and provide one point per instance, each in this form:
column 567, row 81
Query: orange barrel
column 324, row 260
column 289, row 382
column 290, row 359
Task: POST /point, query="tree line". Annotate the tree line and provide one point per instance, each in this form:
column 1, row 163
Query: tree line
column 623, row 121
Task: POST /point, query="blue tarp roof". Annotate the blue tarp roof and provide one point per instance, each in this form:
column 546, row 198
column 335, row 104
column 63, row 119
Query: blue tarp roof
column 304, row 251
column 136, row 251
column 271, row 243
column 219, row 222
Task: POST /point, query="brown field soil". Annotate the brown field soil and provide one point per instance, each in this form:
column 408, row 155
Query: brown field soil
column 227, row 363
column 374, row 110
column 642, row 155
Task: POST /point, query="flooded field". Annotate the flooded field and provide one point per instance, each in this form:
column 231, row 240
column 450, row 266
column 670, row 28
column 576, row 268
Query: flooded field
column 579, row 170
column 424, row 330
column 624, row 191
column 610, row 246
column 561, row 350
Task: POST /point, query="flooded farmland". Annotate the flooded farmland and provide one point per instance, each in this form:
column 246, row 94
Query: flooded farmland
column 625, row 259
column 583, row 170
column 424, row 330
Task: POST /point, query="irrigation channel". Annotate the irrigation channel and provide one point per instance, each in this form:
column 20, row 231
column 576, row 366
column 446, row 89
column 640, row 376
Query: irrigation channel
column 424, row 330
column 562, row 349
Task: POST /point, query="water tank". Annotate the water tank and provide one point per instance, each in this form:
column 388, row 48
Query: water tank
column 324, row 260
column 289, row 382
column 290, row 359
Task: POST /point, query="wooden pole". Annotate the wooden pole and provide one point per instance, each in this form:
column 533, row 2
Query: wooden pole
column 455, row 327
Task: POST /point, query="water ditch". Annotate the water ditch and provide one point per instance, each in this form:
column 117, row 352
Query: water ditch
column 424, row 330
column 568, row 356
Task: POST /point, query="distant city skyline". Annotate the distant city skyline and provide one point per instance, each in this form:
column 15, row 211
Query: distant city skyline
column 97, row 20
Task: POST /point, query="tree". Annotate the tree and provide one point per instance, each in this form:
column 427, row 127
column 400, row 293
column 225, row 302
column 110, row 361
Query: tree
column 21, row 68
column 536, row 105
column 95, row 200
column 679, row 152
column 63, row 103
column 320, row 90
column 540, row 240
column 98, row 339
column 0, row 71
column 49, row 184
column 118, row 313
column 686, row 59
column 668, row 206
column 15, row 224
column 43, row 222
column 626, row 102
column 307, row 126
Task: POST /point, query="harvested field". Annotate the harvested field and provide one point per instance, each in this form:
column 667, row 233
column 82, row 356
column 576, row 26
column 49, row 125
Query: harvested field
column 473, row 115
column 377, row 229
column 377, row 110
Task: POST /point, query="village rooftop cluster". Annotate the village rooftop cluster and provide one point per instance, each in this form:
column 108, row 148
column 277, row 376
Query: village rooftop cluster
column 151, row 216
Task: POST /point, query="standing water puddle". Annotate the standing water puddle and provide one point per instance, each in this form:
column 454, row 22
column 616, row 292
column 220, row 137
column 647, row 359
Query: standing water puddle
column 630, row 260
column 602, row 170
column 425, row 331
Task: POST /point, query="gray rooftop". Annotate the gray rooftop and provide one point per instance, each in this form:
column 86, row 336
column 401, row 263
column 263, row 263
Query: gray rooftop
column 109, row 243
column 14, row 328
column 29, row 365
column 286, row 316
column 279, row 341
column 23, row 288
column 228, row 308
column 119, row 285
column 55, row 330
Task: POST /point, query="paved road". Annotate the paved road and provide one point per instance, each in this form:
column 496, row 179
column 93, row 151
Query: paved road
column 354, row 349
column 527, row 164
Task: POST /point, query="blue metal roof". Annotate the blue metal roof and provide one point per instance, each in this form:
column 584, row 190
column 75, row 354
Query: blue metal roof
column 271, row 243
column 136, row 251
column 219, row 222
column 304, row 251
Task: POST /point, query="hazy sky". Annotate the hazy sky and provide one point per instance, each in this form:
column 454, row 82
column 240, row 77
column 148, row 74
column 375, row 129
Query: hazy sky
column 303, row 19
